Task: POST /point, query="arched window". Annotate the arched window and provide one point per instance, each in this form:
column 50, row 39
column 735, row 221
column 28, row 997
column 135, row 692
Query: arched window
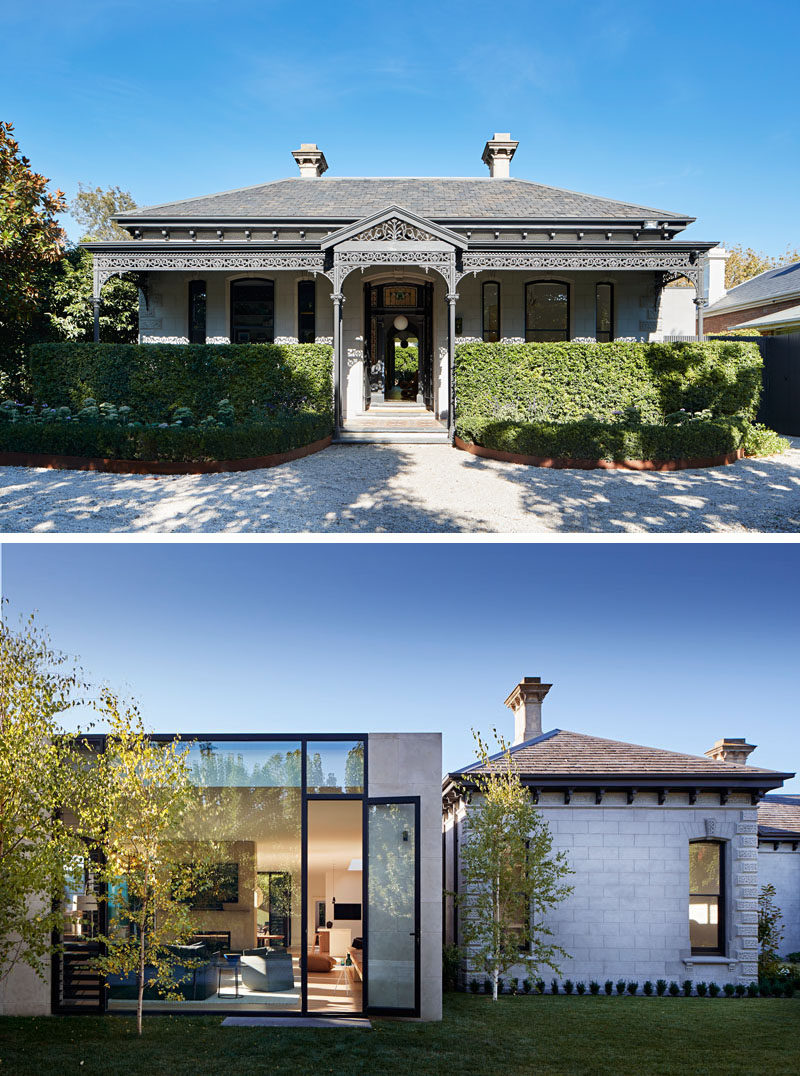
column 252, row 312
column 491, row 311
column 707, row 896
column 197, row 311
column 604, row 313
column 546, row 311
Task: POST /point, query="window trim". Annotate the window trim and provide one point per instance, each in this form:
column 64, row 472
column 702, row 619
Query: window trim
column 245, row 280
column 484, row 285
column 606, row 284
column 562, row 283
column 312, row 284
column 192, row 289
column 721, row 946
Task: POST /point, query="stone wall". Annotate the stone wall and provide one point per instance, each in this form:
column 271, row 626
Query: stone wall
column 781, row 867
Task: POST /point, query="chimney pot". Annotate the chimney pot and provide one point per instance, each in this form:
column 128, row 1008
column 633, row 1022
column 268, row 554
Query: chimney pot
column 497, row 154
column 525, row 702
column 731, row 749
column 310, row 160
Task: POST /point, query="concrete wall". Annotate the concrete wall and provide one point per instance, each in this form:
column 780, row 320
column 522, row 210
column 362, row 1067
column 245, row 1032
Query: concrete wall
column 23, row 992
column 781, row 867
column 677, row 312
column 410, row 764
column 628, row 917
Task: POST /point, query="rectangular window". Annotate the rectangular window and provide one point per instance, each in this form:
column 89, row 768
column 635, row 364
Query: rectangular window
column 706, row 893
column 546, row 311
column 604, row 313
column 306, row 311
column 491, row 312
column 197, row 312
column 252, row 312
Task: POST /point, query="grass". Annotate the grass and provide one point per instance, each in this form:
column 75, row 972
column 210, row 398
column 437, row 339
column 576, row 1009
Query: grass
column 686, row 1036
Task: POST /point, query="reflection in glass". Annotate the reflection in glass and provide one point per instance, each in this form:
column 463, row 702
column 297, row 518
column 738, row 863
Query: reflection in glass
column 546, row 311
column 335, row 766
column 491, row 312
column 392, row 905
column 604, row 314
column 252, row 312
column 705, row 891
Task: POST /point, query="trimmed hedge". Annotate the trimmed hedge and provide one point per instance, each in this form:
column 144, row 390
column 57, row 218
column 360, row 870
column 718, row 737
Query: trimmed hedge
column 565, row 382
column 593, row 440
column 154, row 379
column 171, row 444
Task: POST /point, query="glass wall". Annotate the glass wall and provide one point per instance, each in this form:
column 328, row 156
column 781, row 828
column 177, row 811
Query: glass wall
column 392, row 907
column 335, row 766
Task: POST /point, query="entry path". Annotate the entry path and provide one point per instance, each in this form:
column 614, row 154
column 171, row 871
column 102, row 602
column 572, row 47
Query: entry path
column 408, row 488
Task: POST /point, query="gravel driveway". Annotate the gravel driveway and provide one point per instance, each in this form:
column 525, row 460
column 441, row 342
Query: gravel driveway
column 409, row 488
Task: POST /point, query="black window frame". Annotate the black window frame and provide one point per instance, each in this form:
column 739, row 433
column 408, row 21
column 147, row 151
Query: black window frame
column 719, row 949
column 196, row 289
column 490, row 284
column 251, row 281
column 610, row 286
column 304, row 336
column 568, row 290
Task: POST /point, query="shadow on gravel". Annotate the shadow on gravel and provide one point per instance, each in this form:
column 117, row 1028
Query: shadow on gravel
column 760, row 495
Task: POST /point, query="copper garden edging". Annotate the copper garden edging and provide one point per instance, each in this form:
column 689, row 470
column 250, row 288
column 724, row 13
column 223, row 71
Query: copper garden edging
column 606, row 465
column 154, row 467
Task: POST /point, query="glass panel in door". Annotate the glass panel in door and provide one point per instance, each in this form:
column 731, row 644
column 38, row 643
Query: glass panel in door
column 393, row 915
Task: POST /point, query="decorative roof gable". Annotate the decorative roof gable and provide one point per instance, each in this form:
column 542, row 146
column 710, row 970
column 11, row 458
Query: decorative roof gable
column 393, row 225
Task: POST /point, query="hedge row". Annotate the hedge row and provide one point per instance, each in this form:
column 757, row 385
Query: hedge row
column 155, row 379
column 593, row 440
column 563, row 382
column 171, row 444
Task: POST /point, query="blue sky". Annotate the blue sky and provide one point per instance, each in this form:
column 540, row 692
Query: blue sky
column 690, row 108
column 670, row 645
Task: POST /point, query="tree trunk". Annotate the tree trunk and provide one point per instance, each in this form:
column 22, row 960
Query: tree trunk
column 494, row 984
column 140, row 998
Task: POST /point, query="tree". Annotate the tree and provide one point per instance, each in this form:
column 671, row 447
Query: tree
column 770, row 931
column 510, row 875
column 147, row 872
column 743, row 264
column 40, row 777
column 93, row 208
column 70, row 312
column 31, row 244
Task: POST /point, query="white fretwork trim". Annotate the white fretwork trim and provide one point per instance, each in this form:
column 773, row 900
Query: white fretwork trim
column 673, row 264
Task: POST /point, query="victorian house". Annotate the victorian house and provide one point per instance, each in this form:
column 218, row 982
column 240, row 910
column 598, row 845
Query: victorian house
column 395, row 272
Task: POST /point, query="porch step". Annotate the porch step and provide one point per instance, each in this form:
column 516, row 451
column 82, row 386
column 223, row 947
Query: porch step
column 348, row 436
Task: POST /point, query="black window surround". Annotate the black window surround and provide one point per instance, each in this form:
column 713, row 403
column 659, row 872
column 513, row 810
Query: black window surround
column 306, row 311
column 604, row 325
column 197, row 312
column 557, row 293
column 490, row 312
column 252, row 311
column 707, row 892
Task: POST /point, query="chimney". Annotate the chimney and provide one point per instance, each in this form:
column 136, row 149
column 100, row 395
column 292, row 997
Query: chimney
column 497, row 154
column 731, row 750
column 310, row 160
column 525, row 702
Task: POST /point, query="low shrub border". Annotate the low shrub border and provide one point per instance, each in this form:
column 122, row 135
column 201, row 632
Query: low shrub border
column 721, row 460
column 689, row 988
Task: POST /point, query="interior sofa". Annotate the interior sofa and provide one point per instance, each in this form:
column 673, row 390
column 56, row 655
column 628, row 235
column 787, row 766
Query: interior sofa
column 193, row 971
column 267, row 970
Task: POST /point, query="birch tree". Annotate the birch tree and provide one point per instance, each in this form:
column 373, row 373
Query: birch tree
column 510, row 876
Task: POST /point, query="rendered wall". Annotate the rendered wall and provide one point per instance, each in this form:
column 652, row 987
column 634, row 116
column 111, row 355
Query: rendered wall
column 410, row 764
column 23, row 992
column 781, row 868
column 628, row 917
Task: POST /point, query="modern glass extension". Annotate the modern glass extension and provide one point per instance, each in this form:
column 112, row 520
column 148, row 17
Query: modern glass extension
column 310, row 894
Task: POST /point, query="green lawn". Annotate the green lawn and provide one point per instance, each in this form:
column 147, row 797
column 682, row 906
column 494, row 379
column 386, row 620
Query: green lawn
column 619, row 1035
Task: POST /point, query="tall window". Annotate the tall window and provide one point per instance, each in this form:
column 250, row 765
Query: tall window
column 491, row 311
column 604, row 313
column 546, row 311
column 706, row 896
column 197, row 311
column 306, row 311
column 252, row 312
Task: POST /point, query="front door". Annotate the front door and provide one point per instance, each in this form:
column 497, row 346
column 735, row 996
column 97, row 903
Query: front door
column 393, row 933
column 398, row 343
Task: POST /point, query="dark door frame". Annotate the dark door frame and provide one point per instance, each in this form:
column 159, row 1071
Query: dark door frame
column 378, row 330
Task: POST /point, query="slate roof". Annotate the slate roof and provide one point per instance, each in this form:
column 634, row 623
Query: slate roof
column 764, row 288
column 432, row 198
column 779, row 816
column 576, row 754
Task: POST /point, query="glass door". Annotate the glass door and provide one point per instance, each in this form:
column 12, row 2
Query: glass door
column 393, row 906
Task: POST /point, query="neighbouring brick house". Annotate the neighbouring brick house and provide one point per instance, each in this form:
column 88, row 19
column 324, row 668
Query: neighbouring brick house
column 663, row 845
column 779, row 861
column 768, row 303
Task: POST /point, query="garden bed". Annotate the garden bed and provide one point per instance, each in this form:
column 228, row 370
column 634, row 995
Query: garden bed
column 588, row 465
